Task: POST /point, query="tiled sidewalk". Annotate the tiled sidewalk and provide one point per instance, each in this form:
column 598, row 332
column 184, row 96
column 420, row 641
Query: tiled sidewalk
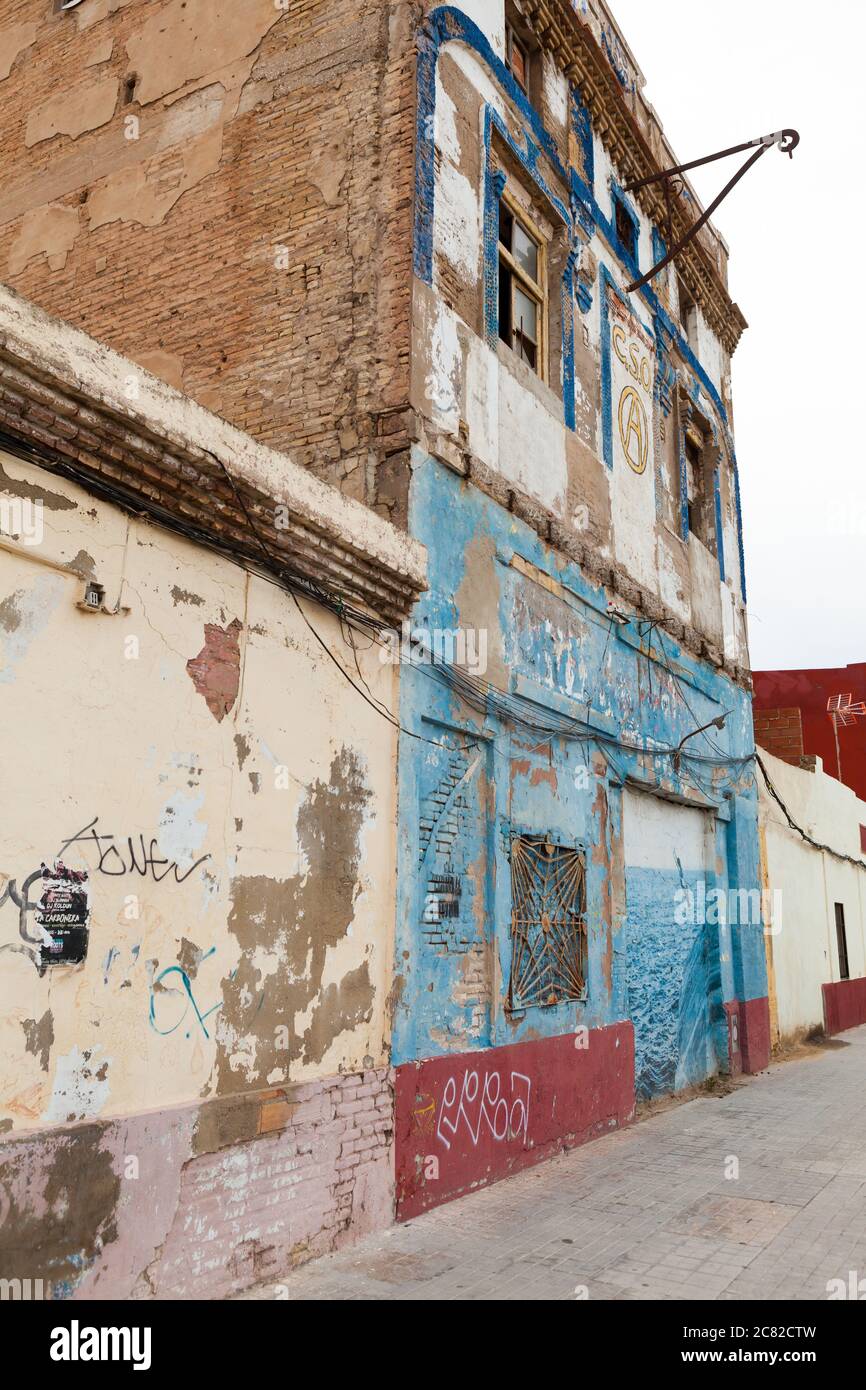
column 649, row 1212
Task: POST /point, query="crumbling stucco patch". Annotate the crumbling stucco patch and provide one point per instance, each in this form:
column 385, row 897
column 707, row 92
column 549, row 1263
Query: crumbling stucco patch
column 189, row 957
column 80, row 1087
column 216, row 670
column 57, row 1226
column 285, row 929
column 166, row 365
column 327, row 170
column 49, row 232
column 146, row 193
column 25, row 618
column 52, row 501
column 100, row 52
column 179, row 595
column 72, row 112
column 39, row 1036
column 14, row 39
column 97, row 10
column 192, row 38
column 341, row 1007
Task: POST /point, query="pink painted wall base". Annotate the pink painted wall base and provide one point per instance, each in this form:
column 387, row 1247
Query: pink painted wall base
column 203, row 1201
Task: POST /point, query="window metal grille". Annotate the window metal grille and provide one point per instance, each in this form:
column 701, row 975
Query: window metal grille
column 548, row 923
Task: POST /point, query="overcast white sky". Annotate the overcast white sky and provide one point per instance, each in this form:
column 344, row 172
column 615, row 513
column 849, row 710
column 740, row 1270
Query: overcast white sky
column 719, row 74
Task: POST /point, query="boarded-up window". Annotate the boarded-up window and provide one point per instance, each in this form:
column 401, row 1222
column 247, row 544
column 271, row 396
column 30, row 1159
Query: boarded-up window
column 548, row 923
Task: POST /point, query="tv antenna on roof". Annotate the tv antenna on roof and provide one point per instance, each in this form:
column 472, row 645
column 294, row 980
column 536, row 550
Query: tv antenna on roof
column 843, row 712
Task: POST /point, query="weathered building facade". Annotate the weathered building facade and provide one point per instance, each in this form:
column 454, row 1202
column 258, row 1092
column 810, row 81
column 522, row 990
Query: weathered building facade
column 197, row 856
column 574, row 479
column 394, row 242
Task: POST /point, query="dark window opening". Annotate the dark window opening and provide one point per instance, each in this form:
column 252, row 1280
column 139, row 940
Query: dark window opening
column 129, row 85
column 517, row 58
column 700, row 487
column 841, row 942
column 694, row 469
column 521, row 289
column 626, row 232
column 863, row 839
column 688, row 314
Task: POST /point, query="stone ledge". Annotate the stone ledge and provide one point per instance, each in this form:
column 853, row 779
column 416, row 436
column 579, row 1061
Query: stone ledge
column 74, row 400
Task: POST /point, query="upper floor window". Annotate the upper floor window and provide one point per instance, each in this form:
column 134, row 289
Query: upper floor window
column 626, row 230
column 517, row 58
column 700, row 487
column 688, row 314
column 522, row 281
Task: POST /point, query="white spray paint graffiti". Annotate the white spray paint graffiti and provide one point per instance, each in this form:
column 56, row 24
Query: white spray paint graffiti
column 505, row 1118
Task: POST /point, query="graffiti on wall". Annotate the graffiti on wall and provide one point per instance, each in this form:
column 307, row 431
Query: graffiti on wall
column 56, row 897
column 170, row 1007
column 475, row 1101
column 464, row 1121
column 118, row 857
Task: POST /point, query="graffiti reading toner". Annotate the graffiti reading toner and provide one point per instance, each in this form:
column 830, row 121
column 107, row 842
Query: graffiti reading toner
column 130, row 856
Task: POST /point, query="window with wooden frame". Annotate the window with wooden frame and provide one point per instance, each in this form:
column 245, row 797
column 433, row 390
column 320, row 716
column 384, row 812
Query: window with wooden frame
column 700, row 494
column 522, row 287
column 517, row 58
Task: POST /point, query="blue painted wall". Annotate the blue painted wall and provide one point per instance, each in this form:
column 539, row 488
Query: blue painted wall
column 470, row 777
column 584, row 707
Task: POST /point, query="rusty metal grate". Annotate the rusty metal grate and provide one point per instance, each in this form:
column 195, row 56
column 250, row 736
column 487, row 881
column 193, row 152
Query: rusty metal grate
column 548, row 923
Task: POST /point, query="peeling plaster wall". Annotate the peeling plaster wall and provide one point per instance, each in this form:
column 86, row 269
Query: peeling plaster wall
column 555, row 512
column 561, row 443
column 222, row 189
column 241, row 895
column 809, row 883
column 550, row 642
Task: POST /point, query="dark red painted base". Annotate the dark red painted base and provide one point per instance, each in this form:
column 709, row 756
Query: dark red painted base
column 735, row 1053
column 748, row 1034
column 844, row 1004
column 467, row 1120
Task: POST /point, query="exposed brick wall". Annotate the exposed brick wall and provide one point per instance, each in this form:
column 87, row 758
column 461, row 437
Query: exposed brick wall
column 227, row 1193
column 780, row 731
column 275, row 288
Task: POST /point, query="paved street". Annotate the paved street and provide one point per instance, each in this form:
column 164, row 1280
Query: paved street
column 649, row 1212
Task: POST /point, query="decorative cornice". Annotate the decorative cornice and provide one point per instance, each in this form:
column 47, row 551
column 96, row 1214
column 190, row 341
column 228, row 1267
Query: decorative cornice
column 83, row 408
column 570, row 40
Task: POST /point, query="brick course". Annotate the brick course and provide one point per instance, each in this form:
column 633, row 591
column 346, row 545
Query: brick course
column 275, row 289
column 780, row 731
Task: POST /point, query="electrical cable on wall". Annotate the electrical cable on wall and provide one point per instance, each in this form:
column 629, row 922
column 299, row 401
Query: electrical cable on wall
column 816, row 844
column 479, row 694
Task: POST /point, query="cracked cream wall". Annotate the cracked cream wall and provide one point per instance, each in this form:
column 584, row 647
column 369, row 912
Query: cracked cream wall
column 806, row 884
column 205, row 718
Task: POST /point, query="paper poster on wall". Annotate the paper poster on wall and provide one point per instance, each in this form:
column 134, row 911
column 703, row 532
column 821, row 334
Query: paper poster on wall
column 63, row 915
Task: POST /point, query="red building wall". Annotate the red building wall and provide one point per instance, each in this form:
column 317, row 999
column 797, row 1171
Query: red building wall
column 809, row 692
